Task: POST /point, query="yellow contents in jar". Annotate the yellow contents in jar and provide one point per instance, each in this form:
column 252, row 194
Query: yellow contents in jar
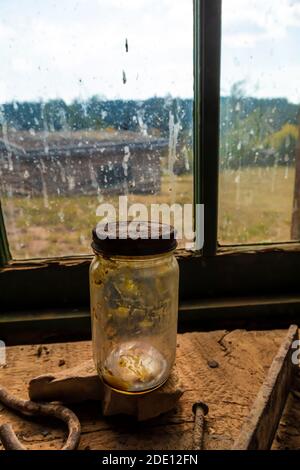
column 134, row 366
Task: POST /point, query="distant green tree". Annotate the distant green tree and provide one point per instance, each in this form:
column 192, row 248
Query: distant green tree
column 232, row 132
column 77, row 116
column 284, row 143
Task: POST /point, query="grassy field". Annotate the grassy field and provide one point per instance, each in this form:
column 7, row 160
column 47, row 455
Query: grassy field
column 255, row 206
column 59, row 226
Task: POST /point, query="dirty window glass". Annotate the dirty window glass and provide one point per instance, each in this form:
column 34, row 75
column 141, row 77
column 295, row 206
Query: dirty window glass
column 96, row 101
column 259, row 129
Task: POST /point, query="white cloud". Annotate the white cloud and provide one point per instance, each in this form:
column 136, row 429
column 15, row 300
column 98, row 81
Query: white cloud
column 3, row 91
column 272, row 19
column 6, row 32
column 81, row 51
column 260, row 46
column 20, row 64
column 77, row 49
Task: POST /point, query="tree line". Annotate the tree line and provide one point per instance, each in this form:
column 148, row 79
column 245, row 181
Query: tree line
column 96, row 113
column 253, row 131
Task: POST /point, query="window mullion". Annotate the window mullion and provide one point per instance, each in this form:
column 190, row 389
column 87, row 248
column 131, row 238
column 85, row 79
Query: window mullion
column 4, row 247
column 207, row 105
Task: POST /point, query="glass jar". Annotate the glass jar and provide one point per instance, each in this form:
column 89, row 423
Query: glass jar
column 134, row 307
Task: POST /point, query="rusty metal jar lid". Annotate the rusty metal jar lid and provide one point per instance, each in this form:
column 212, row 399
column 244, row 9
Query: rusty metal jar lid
column 133, row 238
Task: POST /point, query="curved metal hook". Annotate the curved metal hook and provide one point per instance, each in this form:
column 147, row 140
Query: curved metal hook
column 28, row 407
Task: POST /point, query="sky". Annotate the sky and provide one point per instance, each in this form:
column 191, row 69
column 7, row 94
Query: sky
column 76, row 48
column 261, row 40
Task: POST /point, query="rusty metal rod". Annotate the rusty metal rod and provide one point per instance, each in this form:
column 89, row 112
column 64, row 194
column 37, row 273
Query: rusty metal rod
column 9, row 438
column 200, row 410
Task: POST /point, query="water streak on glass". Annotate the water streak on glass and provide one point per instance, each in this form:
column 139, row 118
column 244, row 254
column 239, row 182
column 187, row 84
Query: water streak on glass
column 259, row 197
column 96, row 101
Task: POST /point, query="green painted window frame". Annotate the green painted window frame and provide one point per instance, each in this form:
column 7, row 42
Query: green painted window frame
column 209, row 279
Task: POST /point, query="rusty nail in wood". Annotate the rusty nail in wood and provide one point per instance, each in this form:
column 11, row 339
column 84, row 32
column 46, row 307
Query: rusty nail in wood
column 200, row 410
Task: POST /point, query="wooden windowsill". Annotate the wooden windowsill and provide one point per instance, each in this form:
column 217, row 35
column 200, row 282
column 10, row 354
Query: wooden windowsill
column 229, row 390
